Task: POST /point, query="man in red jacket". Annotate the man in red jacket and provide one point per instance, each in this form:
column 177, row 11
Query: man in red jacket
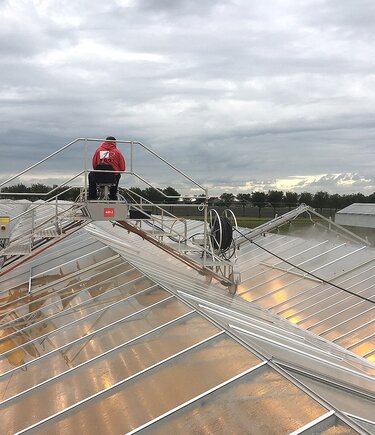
column 107, row 154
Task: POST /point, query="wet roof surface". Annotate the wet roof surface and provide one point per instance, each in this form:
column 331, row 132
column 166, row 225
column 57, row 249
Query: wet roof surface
column 105, row 333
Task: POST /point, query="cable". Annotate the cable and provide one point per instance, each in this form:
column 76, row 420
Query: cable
column 305, row 271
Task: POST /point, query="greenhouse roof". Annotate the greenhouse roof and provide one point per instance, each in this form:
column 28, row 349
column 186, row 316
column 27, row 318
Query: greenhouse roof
column 105, row 333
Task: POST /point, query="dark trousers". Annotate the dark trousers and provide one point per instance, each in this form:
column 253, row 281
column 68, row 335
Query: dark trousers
column 93, row 193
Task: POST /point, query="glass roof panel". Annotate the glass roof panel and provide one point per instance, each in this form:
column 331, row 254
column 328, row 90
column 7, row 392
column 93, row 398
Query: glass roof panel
column 44, row 304
column 284, row 294
column 56, row 331
column 331, row 426
column 349, row 325
column 272, row 282
column 332, row 309
column 304, row 299
column 140, row 400
column 241, row 407
column 73, row 284
column 60, row 359
column 103, row 372
column 356, row 312
column 364, row 347
column 54, row 258
column 369, row 426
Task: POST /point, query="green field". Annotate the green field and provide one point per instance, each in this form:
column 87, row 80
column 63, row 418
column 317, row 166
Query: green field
column 252, row 222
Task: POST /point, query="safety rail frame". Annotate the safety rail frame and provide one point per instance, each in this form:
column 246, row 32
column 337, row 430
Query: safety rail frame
column 209, row 259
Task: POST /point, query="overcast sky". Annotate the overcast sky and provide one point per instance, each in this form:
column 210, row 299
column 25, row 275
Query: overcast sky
column 238, row 94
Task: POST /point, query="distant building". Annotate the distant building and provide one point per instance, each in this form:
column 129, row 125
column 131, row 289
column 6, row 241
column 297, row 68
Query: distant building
column 357, row 215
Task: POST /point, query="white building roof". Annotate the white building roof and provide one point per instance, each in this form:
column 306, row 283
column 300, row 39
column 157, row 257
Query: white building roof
column 358, row 209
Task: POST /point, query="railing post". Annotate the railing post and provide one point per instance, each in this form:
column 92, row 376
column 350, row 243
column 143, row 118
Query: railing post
column 85, row 166
column 30, row 278
column 131, row 156
column 32, row 230
column 57, row 218
column 205, row 234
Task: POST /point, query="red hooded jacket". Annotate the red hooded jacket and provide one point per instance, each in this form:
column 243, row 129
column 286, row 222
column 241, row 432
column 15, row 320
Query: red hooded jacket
column 108, row 153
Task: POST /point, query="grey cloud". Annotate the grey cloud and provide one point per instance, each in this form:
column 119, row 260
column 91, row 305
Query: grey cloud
column 229, row 91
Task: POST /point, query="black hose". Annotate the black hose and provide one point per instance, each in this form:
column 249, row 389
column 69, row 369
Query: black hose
column 224, row 242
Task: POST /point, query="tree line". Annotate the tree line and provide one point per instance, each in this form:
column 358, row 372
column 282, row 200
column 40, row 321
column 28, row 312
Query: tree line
column 277, row 198
column 272, row 198
column 72, row 193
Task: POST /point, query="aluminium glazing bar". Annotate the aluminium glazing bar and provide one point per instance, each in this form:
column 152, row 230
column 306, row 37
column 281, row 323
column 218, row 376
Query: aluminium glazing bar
column 357, row 417
column 342, row 384
column 369, row 354
column 78, row 272
column 235, row 315
column 336, row 303
column 303, row 252
column 75, row 260
column 291, row 272
column 362, row 340
column 85, row 337
column 200, row 396
column 323, row 289
column 90, row 361
column 285, row 271
column 46, row 335
column 256, row 262
column 317, row 256
column 59, row 280
column 35, row 263
column 313, row 423
column 308, row 355
column 352, row 330
column 270, row 240
column 15, row 322
column 300, row 341
column 118, row 384
column 30, row 279
column 301, row 277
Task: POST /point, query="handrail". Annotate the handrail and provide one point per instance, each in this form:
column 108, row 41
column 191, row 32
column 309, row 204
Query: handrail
column 41, row 161
column 171, row 166
column 155, row 154
column 132, row 143
column 40, row 204
column 148, row 202
column 43, row 193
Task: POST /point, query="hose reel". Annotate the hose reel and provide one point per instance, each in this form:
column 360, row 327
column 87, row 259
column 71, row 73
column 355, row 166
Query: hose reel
column 221, row 233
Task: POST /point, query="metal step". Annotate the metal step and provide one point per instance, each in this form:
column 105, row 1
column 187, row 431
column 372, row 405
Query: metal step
column 161, row 233
column 49, row 233
column 181, row 247
column 16, row 250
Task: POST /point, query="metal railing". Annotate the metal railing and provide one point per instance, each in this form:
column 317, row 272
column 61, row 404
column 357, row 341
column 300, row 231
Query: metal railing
column 86, row 170
column 161, row 219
